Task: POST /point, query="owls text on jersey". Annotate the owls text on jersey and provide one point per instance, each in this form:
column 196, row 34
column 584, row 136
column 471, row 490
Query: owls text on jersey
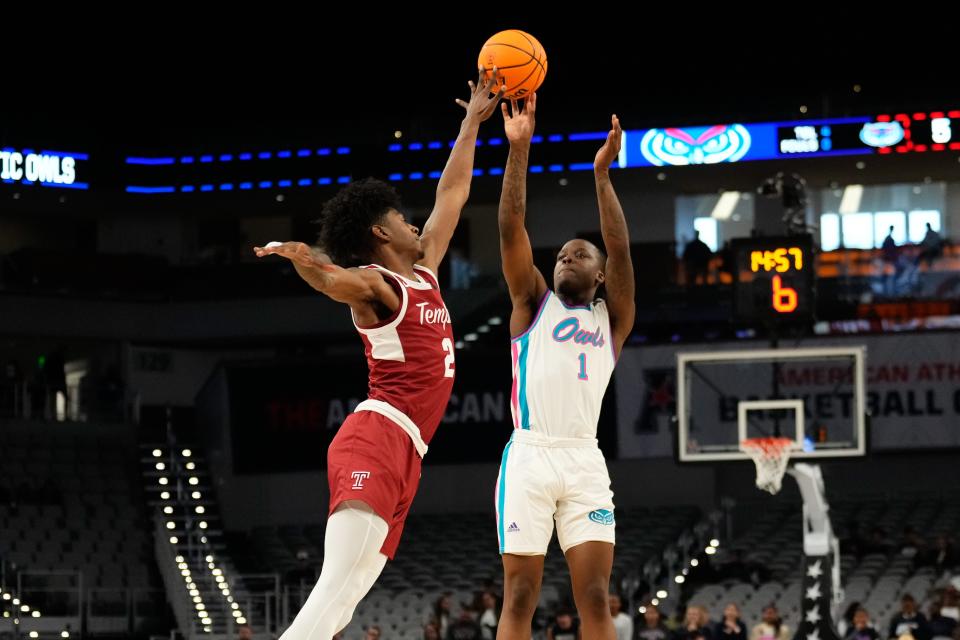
column 561, row 367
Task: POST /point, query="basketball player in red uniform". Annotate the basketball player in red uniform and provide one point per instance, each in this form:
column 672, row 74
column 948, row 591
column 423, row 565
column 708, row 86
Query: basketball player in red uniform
column 380, row 265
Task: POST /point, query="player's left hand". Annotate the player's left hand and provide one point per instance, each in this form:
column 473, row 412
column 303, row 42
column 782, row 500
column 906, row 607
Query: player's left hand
column 611, row 147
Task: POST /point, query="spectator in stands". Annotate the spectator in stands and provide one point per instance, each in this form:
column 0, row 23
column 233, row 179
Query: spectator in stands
column 696, row 260
column 771, row 627
column 846, row 620
column 489, row 617
column 727, row 261
column 731, row 627
column 890, row 253
column 912, row 544
column 430, row 632
column 440, row 614
column 466, row 627
column 950, row 605
column 943, row 556
column 861, row 628
column 889, row 249
column 653, row 627
column 696, row 623
column 244, row 632
column 909, row 620
column 705, row 621
column 566, row 627
column 940, row 626
column 931, row 247
column 622, row 623
column 373, row 633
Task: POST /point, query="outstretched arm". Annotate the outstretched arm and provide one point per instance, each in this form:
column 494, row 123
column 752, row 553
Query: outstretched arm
column 454, row 185
column 524, row 280
column 359, row 288
column 613, row 226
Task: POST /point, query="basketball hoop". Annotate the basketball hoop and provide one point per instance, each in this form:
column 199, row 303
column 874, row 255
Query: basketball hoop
column 771, row 456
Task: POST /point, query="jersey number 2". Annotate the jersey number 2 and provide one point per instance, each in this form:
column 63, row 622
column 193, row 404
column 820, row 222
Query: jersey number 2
column 448, row 361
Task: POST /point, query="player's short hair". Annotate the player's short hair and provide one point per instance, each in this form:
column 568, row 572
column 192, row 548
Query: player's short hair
column 347, row 217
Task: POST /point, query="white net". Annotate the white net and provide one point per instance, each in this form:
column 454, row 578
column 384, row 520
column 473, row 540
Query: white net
column 771, row 456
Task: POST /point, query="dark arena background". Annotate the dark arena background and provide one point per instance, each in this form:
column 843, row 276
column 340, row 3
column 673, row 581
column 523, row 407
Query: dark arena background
column 792, row 192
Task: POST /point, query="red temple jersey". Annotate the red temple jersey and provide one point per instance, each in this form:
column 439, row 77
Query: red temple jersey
column 410, row 355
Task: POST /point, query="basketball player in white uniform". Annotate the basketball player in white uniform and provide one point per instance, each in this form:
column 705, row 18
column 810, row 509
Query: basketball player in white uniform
column 564, row 348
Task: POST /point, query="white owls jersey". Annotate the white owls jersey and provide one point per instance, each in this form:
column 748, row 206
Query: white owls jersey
column 561, row 366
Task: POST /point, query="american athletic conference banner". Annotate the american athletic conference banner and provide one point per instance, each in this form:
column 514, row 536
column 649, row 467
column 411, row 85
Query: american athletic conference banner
column 913, row 392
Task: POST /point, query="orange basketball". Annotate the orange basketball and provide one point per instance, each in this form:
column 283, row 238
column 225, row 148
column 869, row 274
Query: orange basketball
column 520, row 60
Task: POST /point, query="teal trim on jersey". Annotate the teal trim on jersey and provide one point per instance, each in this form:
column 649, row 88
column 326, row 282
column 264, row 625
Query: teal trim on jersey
column 501, row 493
column 522, row 391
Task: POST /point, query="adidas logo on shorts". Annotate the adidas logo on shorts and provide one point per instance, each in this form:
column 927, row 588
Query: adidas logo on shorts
column 513, row 527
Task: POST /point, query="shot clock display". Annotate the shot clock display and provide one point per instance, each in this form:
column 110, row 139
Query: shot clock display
column 774, row 279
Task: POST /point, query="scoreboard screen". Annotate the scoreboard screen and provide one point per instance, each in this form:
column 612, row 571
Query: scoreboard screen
column 774, row 279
